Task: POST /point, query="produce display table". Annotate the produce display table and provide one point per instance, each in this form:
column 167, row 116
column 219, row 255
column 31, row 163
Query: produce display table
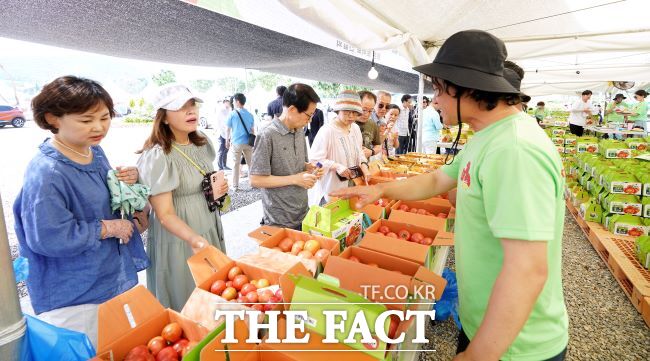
column 606, row 130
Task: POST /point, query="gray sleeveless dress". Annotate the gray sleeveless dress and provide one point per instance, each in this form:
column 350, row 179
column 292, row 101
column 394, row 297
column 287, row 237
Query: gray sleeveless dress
column 169, row 277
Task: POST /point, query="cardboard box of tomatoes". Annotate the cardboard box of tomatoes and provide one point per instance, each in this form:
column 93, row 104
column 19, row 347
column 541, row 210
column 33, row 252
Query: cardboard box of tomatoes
column 311, row 250
column 335, row 220
column 424, row 214
column 252, row 282
column 135, row 326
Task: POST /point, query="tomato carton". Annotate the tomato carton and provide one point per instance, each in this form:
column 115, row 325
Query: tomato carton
column 134, row 318
column 390, row 280
column 428, row 215
column 325, row 294
column 211, row 265
column 378, row 210
column 215, row 350
column 627, row 225
column 623, row 204
column 262, row 233
column 421, row 251
column 312, row 263
column 335, row 220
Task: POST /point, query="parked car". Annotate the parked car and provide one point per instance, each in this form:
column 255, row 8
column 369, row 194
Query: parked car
column 11, row 115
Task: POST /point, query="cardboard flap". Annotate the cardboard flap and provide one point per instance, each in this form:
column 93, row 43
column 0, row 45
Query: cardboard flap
column 263, row 233
column 124, row 312
column 444, row 239
column 424, row 277
column 207, row 262
column 215, row 349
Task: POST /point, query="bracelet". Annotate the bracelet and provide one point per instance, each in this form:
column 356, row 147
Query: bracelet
column 373, row 151
column 366, row 163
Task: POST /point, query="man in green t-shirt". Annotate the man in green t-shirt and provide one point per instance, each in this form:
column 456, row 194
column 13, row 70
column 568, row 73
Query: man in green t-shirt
column 639, row 111
column 510, row 207
column 614, row 109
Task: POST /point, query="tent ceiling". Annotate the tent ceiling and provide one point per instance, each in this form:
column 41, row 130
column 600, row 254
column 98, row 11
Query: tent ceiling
column 176, row 32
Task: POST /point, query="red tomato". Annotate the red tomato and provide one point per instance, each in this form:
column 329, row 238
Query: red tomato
column 234, row 272
column 286, row 244
column 139, row 353
column 228, row 284
column 264, row 296
column 404, row 234
column 218, row 286
column 247, row 288
column 413, row 210
column 167, row 354
column 384, row 229
column 172, row 332
column 404, row 208
column 391, row 234
column 252, row 297
column 180, row 344
column 422, row 211
column 269, row 306
column 278, row 294
column 322, row 255
column 230, row 293
column 258, row 307
column 239, row 281
column 416, row 237
column 427, row 241
column 156, row 344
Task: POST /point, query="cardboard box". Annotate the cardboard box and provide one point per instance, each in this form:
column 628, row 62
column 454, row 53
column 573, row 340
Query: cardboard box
column 135, row 317
column 312, row 265
column 373, row 211
column 316, row 296
column 211, row 264
column 414, row 252
column 335, row 220
column 432, row 222
column 261, row 234
column 391, row 280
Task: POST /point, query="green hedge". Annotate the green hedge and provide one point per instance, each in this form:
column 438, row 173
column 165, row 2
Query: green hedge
column 138, row 119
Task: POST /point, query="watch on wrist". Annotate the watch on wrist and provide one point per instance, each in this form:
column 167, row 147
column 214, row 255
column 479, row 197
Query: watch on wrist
column 372, row 152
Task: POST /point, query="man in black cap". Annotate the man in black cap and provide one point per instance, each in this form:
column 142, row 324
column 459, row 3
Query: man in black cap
column 510, row 207
column 614, row 109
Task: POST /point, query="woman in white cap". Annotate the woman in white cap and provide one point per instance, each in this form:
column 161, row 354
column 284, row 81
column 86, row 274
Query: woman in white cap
column 338, row 147
column 175, row 160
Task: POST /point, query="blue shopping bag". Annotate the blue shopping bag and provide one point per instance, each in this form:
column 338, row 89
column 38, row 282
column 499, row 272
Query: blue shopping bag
column 45, row 342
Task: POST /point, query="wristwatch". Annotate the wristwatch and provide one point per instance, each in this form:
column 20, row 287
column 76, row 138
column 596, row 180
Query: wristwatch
column 373, row 151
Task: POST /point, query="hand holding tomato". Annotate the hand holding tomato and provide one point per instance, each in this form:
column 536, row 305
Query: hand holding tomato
column 366, row 194
column 305, row 180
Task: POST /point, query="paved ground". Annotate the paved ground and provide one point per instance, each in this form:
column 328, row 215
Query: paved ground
column 603, row 323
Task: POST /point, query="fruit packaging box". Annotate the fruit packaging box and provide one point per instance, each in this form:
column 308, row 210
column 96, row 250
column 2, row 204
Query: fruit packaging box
column 313, row 265
column 211, row 265
column 135, row 317
column 389, row 280
column 335, row 220
column 428, row 216
column 325, row 294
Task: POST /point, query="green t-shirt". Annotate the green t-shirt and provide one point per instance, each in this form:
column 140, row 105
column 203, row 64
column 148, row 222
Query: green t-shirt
column 369, row 133
column 541, row 113
column 510, row 185
column 640, row 108
column 614, row 117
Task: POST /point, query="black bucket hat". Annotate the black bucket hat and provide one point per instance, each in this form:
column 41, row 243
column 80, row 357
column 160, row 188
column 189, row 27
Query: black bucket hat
column 513, row 78
column 619, row 95
column 472, row 59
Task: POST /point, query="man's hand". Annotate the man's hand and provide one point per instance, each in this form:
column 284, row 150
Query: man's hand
column 304, row 180
column 367, row 152
column 317, row 171
column 365, row 194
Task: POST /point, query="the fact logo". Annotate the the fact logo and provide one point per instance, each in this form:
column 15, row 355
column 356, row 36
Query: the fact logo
column 335, row 325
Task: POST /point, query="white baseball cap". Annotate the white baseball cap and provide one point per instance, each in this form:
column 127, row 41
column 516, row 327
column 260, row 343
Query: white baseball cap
column 173, row 97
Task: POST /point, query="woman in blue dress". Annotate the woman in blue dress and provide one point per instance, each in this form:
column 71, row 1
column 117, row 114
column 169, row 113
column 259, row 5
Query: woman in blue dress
column 64, row 222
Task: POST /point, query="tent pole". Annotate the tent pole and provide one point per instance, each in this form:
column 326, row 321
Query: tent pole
column 420, row 110
column 12, row 322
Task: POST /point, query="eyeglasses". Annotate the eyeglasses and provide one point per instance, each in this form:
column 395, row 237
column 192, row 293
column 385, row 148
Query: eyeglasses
column 382, row 106
column 310, row 115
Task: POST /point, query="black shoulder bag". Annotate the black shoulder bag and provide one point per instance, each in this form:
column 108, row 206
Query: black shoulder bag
column 251, row 137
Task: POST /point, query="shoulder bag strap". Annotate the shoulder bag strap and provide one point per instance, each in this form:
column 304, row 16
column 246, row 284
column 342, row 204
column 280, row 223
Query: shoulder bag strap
column 203, row 173
column 242, row 123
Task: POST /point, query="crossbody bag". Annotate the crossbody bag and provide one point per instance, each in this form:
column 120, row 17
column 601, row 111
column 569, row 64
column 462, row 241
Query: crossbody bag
column 251, row 137
column 208, row 186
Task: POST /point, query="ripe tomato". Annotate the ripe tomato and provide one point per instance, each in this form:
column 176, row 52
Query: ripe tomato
column 391, row 234
column 404, row 208
column 384, row 229
column 422, row 211
column 252, row 297
column 312, row 246
column 286, row 244
column 228, row 284
column 180, row 344
column 218, row 286
column 414, row 210
column 322, row 255
column 139, row 353
column 172, row 332
column 239, row 281
column 156, row 344
column 262, row 282
column 416, row 237
column 427, row 241
column 269, row 306
column 278, row 294
column 247, row 288
column 167, row 354
column 230, row 293
column 264, row 296
column 297, row 247
column 404, row 234
column 258, row 307
column 234, row 272
column 305, row 254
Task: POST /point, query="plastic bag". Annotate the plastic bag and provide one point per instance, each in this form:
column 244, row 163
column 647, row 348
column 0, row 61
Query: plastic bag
column 21, row 269
column 448, row 303
column 47, row 342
